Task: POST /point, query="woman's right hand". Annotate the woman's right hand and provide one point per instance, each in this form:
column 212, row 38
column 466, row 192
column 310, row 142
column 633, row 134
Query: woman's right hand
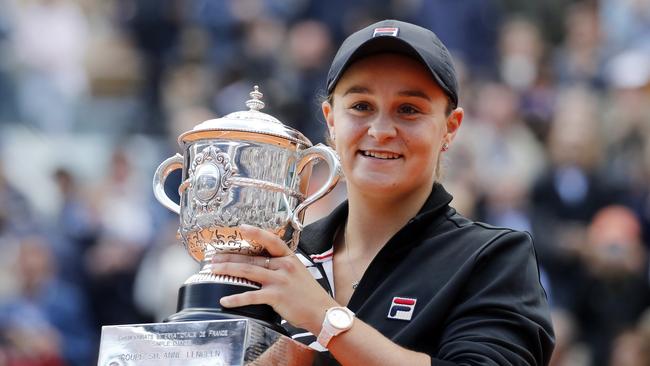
column 286, row 284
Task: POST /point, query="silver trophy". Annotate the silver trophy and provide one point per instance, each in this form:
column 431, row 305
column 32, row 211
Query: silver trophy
column 244, row 168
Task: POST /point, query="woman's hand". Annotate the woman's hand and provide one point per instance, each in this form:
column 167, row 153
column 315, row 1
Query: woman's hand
column 286, row 284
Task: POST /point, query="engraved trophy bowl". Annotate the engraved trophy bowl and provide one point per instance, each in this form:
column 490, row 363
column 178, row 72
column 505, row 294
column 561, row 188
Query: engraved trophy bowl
column 244, row 168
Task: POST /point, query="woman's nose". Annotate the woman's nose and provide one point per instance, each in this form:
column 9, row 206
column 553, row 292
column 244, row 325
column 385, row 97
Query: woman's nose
column 382, row 128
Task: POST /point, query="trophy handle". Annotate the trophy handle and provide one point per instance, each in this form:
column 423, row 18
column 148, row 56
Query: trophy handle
column 326, row 153
column 163, row 170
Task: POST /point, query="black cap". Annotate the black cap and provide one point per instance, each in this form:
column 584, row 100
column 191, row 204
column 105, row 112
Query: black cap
column 399, row 37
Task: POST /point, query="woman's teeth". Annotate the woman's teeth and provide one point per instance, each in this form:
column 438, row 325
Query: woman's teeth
column 381, row 155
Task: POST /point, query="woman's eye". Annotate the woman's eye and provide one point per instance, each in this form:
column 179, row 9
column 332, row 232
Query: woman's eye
column 361, row 107
column 408, row 109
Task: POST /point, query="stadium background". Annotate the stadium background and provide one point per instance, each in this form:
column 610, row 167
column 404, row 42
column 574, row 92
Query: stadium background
column 93, row 94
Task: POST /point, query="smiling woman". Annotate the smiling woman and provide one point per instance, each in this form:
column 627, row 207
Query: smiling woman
column 388, row 119
column 394, row 275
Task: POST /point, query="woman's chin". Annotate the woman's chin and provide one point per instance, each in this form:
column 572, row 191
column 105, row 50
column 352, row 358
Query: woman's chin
column 375, row 184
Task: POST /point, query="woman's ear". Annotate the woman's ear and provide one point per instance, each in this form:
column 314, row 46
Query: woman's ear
column 454, row 121
column 328, row 113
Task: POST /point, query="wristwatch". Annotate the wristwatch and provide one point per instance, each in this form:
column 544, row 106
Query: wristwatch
column 337, row 320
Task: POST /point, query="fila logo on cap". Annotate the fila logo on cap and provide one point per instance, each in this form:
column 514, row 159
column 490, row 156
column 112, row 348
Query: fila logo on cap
column 385, row 32
column 402, row 308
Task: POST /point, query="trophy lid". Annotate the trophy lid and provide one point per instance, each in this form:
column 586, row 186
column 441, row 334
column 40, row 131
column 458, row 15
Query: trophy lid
column 249, row 125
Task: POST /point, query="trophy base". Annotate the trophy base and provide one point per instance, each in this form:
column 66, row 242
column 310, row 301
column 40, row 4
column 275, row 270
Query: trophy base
column 200, row 301
column 240, row 342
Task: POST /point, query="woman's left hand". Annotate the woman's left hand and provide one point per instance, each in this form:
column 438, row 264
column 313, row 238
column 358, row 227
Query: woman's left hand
column 286, row 284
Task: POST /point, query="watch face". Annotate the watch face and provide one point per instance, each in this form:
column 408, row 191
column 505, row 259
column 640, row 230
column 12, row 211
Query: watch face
column 339, row 318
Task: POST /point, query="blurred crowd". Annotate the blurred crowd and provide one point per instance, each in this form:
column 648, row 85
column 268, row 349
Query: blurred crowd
column 93, row 94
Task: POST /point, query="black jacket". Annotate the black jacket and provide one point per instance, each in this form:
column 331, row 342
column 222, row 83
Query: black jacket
column 478, row 298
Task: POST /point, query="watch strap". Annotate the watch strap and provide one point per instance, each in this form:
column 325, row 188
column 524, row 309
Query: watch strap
column 328, row 331
column 324, row 337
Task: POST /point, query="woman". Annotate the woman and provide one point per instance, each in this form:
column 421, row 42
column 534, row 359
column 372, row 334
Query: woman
column 427, row 286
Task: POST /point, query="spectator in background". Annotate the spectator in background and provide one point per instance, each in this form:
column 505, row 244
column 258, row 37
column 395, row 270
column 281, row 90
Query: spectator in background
column 52, row 79
column 614, row 291
column 115, row 104
column 125, row 232
column 309, row 46
column 580, row 59
column 76, row 228
column 261, row 39
column 155, row 27
column 225, row 22
column 504, row 150
column 501, row 144
column 521, row 52
column 524, row 66
column 627, row 129
column 470, row 28
column 626, row 123
column 47, row 321
column 570, row 191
